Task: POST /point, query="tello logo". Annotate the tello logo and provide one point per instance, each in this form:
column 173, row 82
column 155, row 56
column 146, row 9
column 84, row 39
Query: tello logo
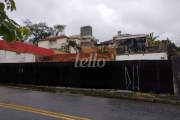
column 91, row 62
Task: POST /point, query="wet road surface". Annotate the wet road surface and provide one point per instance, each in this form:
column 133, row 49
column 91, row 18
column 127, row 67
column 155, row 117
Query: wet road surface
column 20, row 104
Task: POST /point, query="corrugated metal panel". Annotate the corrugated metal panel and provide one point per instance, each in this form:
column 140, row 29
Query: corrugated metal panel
column 25, row 48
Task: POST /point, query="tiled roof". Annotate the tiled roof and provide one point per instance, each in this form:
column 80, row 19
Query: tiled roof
column 108, row 42
column 53, row 38
column 74, row 38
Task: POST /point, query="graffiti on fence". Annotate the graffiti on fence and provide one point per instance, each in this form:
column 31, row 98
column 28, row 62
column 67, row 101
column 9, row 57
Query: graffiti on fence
column 20, row 70
column 130, row 81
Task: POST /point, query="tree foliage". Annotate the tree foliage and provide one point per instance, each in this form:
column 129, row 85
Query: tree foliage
column 9, row 29
column 171, row 47
column 42, row 30
column 72, row 43
column 152, row 39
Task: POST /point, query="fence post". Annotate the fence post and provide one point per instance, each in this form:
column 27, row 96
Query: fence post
column 70, row 75
column 176, row 74
column 139, row 74
column 34, row 70
column 158, row 85
column 122, row 78
column 60, row 74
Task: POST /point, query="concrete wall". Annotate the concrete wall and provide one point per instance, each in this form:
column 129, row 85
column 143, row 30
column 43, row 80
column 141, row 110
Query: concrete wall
column 60, row 42
column 44, row 44
column 72, row 50
column 29, row 57
column 147, row 56
column 13, row 57
column 86, row 44
column 176, row 74
column 53, row 44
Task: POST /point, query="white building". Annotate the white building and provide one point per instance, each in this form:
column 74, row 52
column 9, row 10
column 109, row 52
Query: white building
column 76, row 39
column 146, row 56
column 58, row 42
column 86, row 36
column 135, row 47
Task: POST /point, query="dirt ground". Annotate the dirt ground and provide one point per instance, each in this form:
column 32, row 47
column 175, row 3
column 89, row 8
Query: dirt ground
column 77, row 57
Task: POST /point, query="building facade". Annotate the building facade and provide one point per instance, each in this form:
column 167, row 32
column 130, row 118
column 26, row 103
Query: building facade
column 135, row 47
column 59, row 43
column 86, row 35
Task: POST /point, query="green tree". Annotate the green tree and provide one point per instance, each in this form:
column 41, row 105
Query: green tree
column 152, row 39
column 72, row 43
column 9, row 29
column 171, row 47
column 42, row 30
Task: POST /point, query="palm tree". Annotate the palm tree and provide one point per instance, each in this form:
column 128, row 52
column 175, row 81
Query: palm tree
column 152, row 39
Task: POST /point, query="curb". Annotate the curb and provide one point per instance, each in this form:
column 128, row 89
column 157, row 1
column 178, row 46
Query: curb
column 154, row 100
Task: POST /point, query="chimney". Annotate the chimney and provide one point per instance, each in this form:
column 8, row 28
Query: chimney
column 114, row 38
column 119, row 33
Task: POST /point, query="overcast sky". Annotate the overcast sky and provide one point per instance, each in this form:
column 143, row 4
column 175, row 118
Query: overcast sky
column 105, row 16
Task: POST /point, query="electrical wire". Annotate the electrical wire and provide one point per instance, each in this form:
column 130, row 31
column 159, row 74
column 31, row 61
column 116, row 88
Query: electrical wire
column 176, row 37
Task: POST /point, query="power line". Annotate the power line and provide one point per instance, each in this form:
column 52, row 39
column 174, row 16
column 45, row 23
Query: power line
column 176, row 36
column 175, row 40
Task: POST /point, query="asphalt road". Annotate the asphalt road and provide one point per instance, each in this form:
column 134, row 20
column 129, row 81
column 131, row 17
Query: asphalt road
column 20, row 104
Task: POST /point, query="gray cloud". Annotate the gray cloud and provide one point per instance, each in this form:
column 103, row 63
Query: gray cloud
column 105, row 16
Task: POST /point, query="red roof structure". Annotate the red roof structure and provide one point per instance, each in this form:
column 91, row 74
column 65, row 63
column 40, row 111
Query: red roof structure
column 53, row 38
column 25, row 48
